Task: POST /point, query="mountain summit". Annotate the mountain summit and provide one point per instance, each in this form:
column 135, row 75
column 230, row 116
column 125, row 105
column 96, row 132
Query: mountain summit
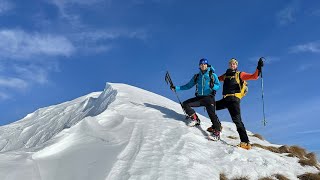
column 128, row 133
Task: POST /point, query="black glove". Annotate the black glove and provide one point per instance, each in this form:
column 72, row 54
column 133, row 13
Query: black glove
column 214, row 92
column 260, row 64
column 173, row 88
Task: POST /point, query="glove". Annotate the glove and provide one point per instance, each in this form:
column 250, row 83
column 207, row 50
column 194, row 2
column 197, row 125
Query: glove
column 260, row 64
column 173, row 88
column 214, row 92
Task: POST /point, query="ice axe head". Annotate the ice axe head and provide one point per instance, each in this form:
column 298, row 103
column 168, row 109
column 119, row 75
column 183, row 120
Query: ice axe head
column 168, row 79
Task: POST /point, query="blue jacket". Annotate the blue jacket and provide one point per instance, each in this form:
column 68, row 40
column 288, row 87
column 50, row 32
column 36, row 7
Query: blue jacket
column 203, row 83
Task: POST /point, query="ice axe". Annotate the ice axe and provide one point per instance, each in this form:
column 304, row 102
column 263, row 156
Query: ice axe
column 169, row 81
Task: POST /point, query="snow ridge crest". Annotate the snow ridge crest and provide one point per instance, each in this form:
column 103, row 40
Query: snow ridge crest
column 40, row 126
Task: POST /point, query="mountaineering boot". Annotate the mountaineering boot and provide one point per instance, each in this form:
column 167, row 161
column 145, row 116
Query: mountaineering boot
column 210, row 129
column 214, row 135
column 245, row 145
column 195, row 121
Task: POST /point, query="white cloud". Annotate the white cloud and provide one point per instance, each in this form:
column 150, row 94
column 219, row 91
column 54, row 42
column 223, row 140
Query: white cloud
column 313, row 47
column 23, row 54
column 85, row 39
column 101, row 35
column 102, row 40
column 17, row 44
column 66, row 8
column 287, row 15
column 16, row 83
column 267, row 59
column 32, row 73
column 270, row 60
column 20, row 75
column 5, row 6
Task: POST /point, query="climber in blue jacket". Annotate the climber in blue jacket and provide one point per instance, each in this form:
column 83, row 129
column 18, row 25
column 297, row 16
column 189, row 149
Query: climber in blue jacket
column 207, row 83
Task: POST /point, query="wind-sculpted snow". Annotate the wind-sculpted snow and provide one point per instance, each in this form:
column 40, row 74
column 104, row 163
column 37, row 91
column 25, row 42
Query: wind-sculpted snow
column 129, row 133
column 45, row 123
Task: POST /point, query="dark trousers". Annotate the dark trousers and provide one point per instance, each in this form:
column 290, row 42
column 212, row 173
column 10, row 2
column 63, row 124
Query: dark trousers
column 206, row 101
column 233, row 105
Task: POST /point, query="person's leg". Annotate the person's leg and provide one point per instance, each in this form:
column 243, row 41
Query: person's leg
column 209, row 103
column 234, row 110
column 188, row 104
column 221, row 104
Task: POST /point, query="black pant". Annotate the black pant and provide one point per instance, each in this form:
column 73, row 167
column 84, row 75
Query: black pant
column 233, row 105
column 206, row 101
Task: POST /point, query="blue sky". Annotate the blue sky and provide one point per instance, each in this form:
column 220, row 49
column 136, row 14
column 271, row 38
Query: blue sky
column 52, row 51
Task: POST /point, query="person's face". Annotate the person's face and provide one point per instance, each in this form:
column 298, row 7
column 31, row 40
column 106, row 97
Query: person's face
column 233, row 65
column 203, row 67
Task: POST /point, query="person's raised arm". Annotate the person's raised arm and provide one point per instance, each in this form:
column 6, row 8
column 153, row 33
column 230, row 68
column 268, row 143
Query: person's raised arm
column 246, row 76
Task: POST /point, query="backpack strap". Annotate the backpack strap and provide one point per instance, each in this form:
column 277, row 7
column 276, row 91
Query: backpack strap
column 238, row 79
column 195, row 78
column 211, row 78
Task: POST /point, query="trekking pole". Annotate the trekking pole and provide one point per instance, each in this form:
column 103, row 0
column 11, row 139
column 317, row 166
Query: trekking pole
column 264, row 121
column 169, row 81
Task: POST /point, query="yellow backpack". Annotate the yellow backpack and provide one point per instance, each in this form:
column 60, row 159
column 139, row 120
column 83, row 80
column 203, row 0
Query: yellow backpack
column 243, row 86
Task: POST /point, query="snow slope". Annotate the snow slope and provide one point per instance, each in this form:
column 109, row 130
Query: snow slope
column 128, row 133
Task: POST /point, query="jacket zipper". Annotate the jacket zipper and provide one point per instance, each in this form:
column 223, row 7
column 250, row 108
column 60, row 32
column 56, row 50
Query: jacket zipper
column 202, row 83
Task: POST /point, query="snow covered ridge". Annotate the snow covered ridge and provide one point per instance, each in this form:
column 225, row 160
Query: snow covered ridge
column 40, row 126
column 128, row 133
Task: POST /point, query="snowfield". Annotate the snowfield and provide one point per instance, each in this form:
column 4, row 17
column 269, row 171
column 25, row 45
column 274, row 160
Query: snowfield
column 128, row 133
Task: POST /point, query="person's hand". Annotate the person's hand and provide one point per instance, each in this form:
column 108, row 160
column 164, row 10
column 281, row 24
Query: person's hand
column 173, row 88
column 260, row 64
column 214, row 92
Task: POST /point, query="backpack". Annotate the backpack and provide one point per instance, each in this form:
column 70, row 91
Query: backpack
column 243, row 86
